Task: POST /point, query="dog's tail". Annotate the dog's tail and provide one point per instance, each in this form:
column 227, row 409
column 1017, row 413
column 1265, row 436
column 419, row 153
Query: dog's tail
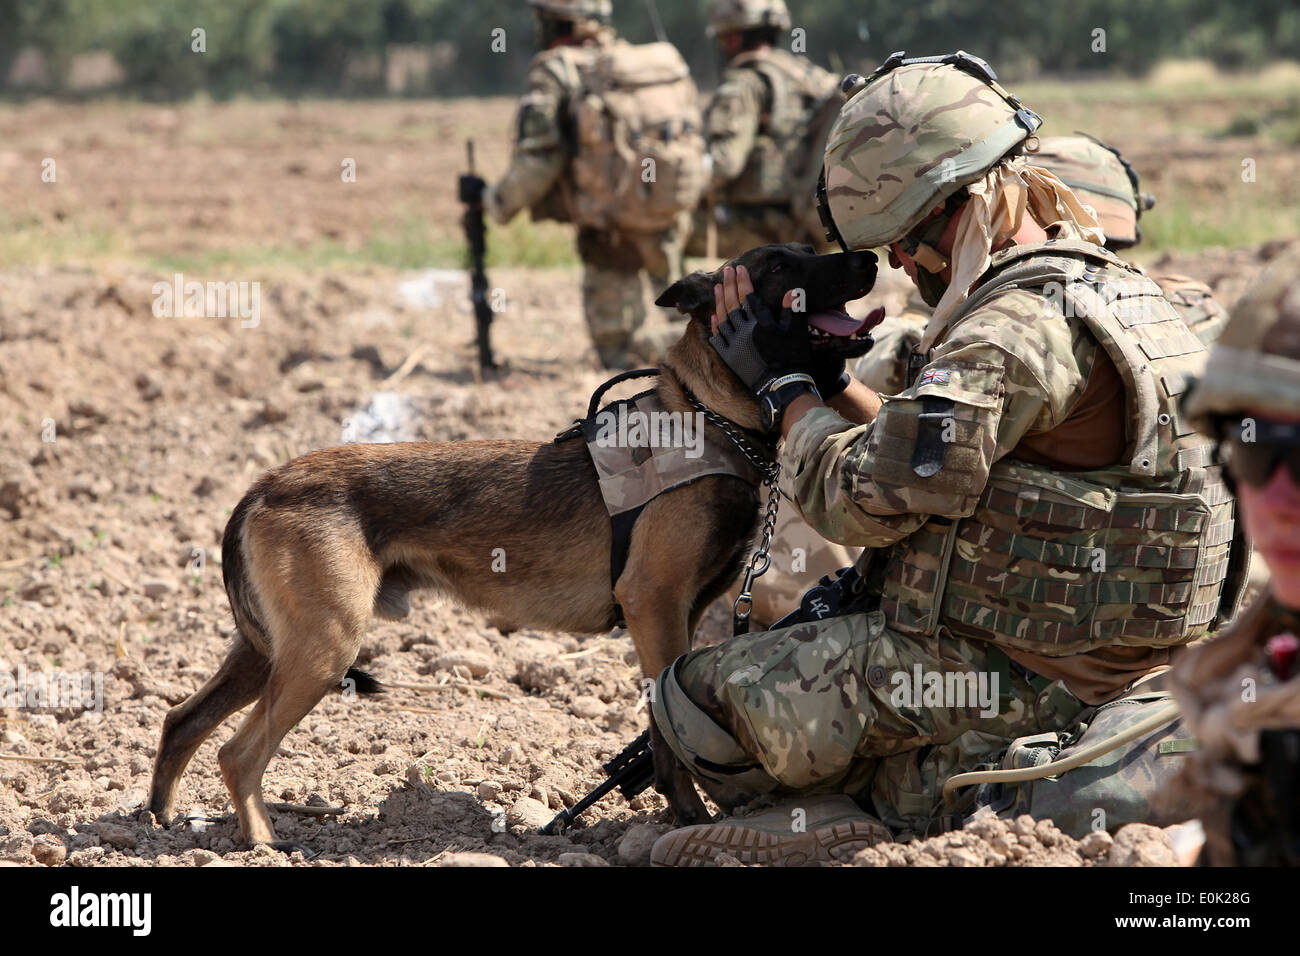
column 234, row 575
column 364, row 682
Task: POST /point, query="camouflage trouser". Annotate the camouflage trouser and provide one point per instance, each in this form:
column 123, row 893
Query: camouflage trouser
column 849, row 706
column 614, row 266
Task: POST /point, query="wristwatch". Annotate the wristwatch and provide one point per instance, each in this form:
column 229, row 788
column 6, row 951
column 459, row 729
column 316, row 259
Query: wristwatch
column 779, row 393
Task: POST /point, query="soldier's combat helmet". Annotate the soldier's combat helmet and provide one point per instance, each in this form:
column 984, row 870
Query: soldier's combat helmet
column 1101, row 177
column 726, row 16
column 600, row 10
column 912, row 135
column 1256, row 362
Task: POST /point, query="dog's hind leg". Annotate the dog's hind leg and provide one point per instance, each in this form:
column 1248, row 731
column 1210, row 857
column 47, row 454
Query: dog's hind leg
column 237, row 683
column 297, row 682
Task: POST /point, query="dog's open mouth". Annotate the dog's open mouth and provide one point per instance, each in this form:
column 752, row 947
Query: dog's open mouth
column 834, row 322
column 834, row 330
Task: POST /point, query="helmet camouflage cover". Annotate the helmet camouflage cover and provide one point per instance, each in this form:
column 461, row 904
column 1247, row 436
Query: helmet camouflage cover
column 910, row 138
column 729, row 15
column 575, row 9
column 1099, row 178
column 1256, row 362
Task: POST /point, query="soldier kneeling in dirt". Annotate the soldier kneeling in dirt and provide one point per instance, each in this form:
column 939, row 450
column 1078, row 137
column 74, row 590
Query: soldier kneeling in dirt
column 1042, row 530
column 1240, row 692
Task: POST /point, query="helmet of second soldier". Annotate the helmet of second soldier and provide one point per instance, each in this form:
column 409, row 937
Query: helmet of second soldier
column 908, row 140
column 575, row 9
column 728, row 16
column 1255, row 365
column 1100, row 178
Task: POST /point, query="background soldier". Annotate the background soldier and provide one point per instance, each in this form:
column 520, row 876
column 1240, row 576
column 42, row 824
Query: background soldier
column 564, row 166
column 1025, row 502
column 766, row 128
column 1240, row 693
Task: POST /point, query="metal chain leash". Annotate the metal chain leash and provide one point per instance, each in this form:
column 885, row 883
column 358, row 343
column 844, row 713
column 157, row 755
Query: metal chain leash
column 761, row 559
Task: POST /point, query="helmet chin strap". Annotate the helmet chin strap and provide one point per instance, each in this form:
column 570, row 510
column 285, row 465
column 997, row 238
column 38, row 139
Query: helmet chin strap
column 929, row 258
column 922, row 245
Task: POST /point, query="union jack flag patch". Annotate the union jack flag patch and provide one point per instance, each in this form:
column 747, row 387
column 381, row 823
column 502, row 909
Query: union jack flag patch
column 934, row 376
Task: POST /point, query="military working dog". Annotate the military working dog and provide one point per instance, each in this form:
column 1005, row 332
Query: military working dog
column 319, row 545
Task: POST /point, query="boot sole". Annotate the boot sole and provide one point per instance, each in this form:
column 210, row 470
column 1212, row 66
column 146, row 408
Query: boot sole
column 702, row 845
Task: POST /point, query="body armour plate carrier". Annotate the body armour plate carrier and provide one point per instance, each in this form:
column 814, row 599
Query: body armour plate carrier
column 1143, row 553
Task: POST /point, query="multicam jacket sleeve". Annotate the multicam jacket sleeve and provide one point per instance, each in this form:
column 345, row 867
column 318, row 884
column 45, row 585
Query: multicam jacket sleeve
column 732, row 123
column 1012, row 368
column 541, row 146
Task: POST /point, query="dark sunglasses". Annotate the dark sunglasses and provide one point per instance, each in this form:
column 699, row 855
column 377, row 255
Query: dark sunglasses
column 1257, row 446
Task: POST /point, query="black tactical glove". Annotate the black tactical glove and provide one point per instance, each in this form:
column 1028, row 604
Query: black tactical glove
column 471, row 189
column 769, row 354
column 829, row 374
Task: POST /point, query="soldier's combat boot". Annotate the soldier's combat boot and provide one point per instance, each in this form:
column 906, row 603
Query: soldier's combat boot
column 802, row 831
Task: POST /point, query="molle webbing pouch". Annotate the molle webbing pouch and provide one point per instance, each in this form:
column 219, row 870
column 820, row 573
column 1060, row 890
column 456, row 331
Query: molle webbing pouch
column 1057, row 565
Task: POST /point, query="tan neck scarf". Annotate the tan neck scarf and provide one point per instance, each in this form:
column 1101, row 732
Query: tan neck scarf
column 994, row 213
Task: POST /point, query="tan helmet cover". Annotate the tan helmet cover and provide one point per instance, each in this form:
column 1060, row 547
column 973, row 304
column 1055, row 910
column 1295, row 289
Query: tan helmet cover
column 726, row 16
column 908, row 140
column 576, row 9
column 1097, row 177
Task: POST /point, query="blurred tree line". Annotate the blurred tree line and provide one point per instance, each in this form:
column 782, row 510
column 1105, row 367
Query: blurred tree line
column 445, row 47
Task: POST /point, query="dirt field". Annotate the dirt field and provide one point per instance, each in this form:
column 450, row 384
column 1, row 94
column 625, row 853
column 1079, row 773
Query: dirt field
column 126, row 439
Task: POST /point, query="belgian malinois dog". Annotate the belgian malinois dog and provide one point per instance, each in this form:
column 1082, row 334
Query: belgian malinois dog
column 319, row 545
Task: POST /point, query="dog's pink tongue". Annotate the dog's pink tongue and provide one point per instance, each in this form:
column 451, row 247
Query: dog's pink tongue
column 835, row 322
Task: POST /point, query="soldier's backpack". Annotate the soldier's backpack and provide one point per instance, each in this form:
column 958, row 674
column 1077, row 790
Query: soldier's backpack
column 786, row 160
column 639, row 151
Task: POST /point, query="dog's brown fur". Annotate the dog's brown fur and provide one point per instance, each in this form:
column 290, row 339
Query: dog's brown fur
column 320, row 544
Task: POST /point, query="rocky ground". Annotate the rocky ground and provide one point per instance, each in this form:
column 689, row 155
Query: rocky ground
column 125, row 443
column 126, row 439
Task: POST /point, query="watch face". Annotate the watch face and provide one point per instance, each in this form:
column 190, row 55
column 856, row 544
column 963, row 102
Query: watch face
column 768, row 413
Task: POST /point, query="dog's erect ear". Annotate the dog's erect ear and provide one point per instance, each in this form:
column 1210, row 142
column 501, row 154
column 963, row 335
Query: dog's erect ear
column 689, row 294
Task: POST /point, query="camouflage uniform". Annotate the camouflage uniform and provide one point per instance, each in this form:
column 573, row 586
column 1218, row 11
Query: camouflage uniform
column 1098, row 176
column 982, row 558
column 1236, row 779
column 615, row 263
column 756, row 126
